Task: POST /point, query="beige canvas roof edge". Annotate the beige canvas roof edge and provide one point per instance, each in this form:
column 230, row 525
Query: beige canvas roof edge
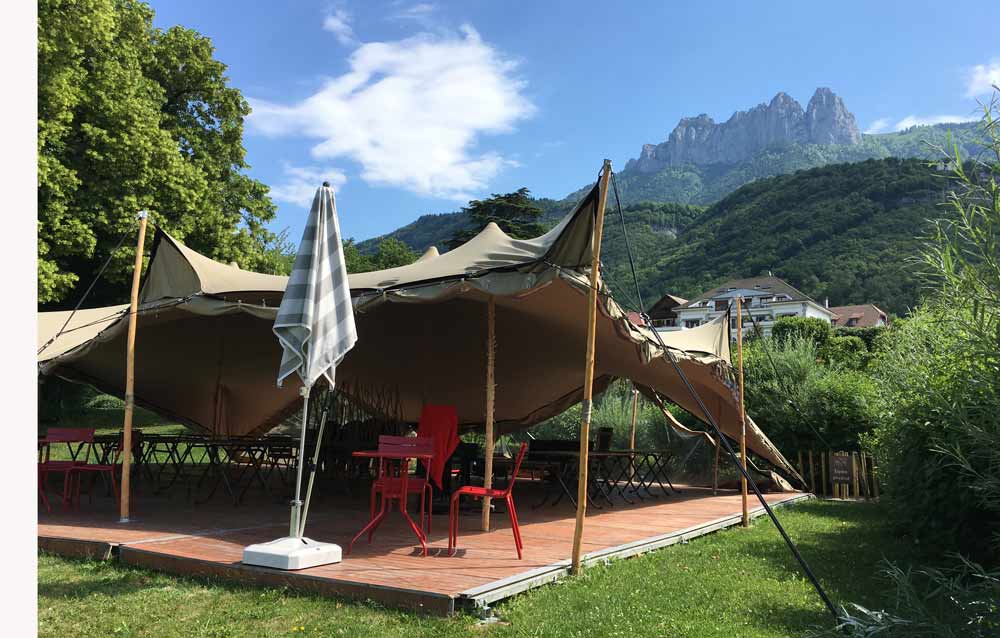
column 206, row 355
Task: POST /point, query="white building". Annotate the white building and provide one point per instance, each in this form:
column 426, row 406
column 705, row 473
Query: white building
column 767, row 299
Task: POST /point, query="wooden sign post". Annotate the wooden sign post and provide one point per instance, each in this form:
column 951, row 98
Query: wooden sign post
column 840, row 474
column 588, row 375
column 126, row 450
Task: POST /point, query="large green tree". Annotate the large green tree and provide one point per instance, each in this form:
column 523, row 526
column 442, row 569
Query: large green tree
column 517, row 214
column 132, row 117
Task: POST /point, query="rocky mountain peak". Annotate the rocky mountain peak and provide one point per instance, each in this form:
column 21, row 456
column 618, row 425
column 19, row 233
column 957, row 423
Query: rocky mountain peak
column 700, row 140
column 828, row 120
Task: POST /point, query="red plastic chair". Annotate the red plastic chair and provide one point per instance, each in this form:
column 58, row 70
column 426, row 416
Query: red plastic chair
column 83, row 436
column 94, row 470
column 390, row 486
column 480, row 492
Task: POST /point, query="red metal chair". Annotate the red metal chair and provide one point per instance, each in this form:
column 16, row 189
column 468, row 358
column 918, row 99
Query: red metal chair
column 388, row 487
column 46, row 466
column 95, row 470
column 481, row 492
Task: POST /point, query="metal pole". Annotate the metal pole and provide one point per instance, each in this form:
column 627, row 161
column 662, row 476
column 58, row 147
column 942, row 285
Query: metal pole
column 312, row 472
column 294, row 529
column 124, row 501
column 588, row 376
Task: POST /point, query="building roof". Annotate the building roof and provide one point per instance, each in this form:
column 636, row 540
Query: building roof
column 867, row 315
column 765, row 285
column 665, row 306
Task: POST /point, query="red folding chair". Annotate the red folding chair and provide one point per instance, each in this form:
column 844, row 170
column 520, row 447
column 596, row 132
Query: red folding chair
column 481, row 492
column 94, row 470
column 388, row 487
column 84, row 437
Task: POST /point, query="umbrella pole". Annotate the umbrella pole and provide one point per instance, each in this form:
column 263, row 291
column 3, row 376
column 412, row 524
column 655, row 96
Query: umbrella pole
column 312, row 473
column 126, row 451
column 588, row 376
column 297, row 503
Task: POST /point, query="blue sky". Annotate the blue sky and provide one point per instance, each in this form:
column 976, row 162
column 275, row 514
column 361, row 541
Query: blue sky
column 415, row 107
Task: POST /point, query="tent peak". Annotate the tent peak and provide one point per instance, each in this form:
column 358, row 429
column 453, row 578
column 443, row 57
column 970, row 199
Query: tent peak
column 430, row 253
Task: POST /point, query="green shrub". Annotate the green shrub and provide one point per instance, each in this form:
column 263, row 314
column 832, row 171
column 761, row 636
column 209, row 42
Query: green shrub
column 812, row 328
column 802, row 404
column 849, row 352
column 869, row 335
column 938, row 404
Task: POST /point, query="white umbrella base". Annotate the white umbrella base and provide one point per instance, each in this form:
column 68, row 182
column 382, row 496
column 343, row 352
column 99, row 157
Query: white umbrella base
column 291, row 553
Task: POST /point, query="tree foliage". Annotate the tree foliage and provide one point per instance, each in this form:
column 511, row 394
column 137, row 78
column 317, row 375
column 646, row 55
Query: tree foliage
column 802, row 402
column 390, row 254
column 133, row 117
column 811, row 328
column 515, row 213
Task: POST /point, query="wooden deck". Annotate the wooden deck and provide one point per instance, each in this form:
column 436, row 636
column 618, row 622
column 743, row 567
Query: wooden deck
column 171, row 534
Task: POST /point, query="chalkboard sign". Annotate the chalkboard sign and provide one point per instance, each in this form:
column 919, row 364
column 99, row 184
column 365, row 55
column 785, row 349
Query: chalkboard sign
column 840, row 469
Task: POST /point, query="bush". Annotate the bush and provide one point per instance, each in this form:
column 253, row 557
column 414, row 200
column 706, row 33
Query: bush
column 849, row 352
column 869, row 335
column 802, row 404
column 938, row 405
column 816, row 330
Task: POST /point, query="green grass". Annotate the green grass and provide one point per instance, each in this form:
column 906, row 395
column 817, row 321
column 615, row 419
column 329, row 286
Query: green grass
column 733, row 583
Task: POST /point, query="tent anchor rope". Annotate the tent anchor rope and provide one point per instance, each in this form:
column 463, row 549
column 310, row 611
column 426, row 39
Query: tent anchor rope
column 718, row 431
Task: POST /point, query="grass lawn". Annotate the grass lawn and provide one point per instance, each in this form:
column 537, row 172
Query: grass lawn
column 732, row 583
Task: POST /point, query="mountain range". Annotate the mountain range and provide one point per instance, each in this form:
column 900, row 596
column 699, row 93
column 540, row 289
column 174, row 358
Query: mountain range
column 684, row 191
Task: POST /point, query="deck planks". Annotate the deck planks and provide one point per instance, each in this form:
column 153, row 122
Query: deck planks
column 173, row 535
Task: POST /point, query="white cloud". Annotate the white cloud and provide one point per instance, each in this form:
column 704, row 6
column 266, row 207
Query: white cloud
column 878, row 126
column 419, row 11
column 300, row 183
column 411, row 113
column 981, row 79
column 338, row 22
column 916, row 120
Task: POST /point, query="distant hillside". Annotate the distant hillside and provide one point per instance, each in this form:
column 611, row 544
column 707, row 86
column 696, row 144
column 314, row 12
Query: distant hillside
column 846, row 231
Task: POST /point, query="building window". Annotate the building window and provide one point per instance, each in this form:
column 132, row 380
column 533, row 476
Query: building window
column 852, row 322
column 721, row 304
column 692, row 323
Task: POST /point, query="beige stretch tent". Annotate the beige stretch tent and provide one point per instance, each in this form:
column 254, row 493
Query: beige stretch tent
column 206, row 356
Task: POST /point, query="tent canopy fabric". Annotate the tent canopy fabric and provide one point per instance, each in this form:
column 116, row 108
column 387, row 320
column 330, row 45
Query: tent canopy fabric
column 206, row 356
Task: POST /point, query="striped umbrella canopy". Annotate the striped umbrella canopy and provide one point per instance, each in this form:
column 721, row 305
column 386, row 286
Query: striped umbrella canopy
column 315, row 322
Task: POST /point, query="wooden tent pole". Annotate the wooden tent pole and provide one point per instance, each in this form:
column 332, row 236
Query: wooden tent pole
column 715, row 468
column 631, row 432
column 491, row 311
column 588, row 375
column 635, row 413
column 743, row 417
column 126, row 450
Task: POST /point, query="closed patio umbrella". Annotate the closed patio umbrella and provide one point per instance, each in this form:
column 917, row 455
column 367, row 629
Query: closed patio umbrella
column 315, row 327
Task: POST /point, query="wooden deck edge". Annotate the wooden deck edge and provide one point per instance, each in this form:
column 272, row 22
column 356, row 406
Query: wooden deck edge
column 77, row 548
column 492, row 592
column 412, row 599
